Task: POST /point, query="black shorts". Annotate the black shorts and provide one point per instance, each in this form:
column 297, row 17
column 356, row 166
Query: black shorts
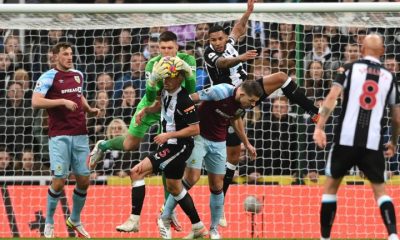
column 343, row 158
column 171, row 159
column 232, row 139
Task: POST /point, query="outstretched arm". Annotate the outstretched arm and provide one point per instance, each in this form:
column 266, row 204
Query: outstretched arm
column 325, row 112
column 223, row 62
column 240, row 27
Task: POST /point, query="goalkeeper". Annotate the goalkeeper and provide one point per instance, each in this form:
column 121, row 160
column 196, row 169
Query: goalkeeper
column 155, row 72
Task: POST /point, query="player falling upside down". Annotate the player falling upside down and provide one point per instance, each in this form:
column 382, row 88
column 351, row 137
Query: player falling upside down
column 59, row 90
column 155, row 73
column 222, row 105
column 179, row 123
column 224, row 65
column 367, row 87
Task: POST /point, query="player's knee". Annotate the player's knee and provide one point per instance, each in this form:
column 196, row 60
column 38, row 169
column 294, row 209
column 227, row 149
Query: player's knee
column 282, row 77
column 173, row 189
column 58, row 184
column 215, row 190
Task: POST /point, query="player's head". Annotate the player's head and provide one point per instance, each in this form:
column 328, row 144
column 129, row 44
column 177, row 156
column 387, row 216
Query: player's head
column 372, row 46
column 62, row 53
column 218, row 38
column 168, row 44
column 250, row 92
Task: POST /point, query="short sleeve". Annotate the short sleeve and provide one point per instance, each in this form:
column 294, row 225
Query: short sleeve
column 216, row 92
column 188, row 110
column 211, row 57
column 44, row 83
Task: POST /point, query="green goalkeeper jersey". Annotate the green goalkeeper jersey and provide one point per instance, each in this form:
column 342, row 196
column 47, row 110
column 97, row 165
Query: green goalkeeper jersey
column 189, row 83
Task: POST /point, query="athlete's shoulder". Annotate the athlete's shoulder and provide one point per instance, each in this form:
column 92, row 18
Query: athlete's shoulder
column 50, row 74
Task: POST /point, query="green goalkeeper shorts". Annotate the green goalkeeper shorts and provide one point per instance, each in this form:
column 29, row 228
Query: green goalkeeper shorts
column 138, row 130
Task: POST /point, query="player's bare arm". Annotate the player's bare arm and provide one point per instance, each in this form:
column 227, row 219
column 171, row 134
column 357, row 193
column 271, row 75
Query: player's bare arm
column 238, row 126
column 223, row 62
column 326, row 110
column 241, row 26
column 191, row 130
column 39, row 101
column 88, row 109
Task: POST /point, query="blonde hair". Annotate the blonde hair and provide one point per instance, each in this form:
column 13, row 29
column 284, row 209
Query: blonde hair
column 114, row 122
column 21, row 74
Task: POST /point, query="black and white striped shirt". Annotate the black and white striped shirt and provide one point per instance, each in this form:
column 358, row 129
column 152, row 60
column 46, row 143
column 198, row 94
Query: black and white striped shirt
column 234, row 75
column 177, row 112
column 367, row 89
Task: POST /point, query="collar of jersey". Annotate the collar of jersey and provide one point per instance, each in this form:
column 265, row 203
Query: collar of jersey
column 371, row 58
column 174, row 93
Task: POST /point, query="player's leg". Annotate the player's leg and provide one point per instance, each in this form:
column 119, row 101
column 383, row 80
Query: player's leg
column 60, row 153
column 340, row 160
column 129, row 142
column 191, row 175
column 138, row 193
column 373, row 166
column 215, row 161
column 292, row 91
column 80, row 151
column 174, row 171
column 233, row 150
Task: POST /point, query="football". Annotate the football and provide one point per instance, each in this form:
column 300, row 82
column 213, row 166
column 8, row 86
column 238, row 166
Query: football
column 169, row 64
column 252, row 204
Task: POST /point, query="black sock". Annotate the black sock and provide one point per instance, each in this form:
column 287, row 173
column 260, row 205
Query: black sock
column 296, row 95
column 138, row 194
column 187, row 205
column 328, row 212
column 389, row 216
column 228, row 179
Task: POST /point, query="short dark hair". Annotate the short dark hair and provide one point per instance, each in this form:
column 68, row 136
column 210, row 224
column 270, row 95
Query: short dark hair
column 168, row 36
column 216, row 28
column 252, row 88
column 56, row 49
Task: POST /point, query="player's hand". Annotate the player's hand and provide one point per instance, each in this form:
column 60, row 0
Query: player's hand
column 252, row 151
column 390, row 149
column 95, row 111
column 250, row 5
column 161, row 138
column 160, row 71
column 70, row 105
column 251, row 54
column 181, row 65
column 320, row 137
column 139, row 117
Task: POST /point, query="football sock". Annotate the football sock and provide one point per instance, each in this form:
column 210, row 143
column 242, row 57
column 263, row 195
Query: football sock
column 116, row 143
column 78, row 201
column 138, row 193
column 328, row 212
column 171, row 203
column 230, row 171
column 164, row 181
column 52, row 200
column 388, row 213
column 295, row 94
column 187, row 205
column 169, row 207
column 216, row 207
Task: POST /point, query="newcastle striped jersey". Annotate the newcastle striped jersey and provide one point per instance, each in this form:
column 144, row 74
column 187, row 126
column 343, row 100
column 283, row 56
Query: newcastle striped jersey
column 234, row 75
column 367, row 89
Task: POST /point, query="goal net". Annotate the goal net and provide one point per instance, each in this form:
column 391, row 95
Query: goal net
column 111, row 45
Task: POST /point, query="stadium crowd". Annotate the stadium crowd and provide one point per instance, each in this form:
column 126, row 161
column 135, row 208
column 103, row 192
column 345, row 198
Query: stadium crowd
column 114, row 60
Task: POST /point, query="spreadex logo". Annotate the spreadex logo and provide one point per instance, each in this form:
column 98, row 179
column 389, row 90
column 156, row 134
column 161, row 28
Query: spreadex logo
column 71, row 90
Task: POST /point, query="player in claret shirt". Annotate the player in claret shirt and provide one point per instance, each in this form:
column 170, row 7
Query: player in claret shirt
column 59, row 90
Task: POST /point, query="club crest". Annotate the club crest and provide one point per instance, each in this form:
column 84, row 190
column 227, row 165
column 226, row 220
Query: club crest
column 77, row 79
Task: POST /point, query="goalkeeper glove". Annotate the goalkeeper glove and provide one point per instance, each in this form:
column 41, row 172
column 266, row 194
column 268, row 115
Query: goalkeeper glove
column 181, row 65
column 160, row 71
